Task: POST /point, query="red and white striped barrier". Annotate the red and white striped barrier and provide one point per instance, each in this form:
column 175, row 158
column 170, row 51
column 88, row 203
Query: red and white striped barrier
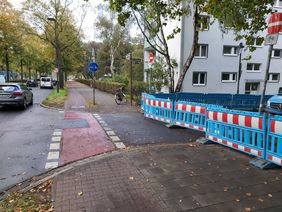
column 158, row 103
column 183, row 124
column 276, row 127
column 191, row 108
column 274, row 159
column 157, row 118
column 245, row 121
column 236, row 146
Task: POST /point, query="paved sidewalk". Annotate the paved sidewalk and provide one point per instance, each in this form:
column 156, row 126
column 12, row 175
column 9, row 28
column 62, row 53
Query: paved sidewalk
column 184, row 177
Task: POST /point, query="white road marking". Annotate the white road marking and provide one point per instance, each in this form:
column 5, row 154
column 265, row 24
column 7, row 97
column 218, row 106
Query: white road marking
column 120, row 145
column 110, row 132
column 55, row 146
column 56, row 139
column 102, row 122
column 78, row 107
column 51, row 165
column 59, row 133
column 53, row 156
column 107, row 128
column 104, row 125
column 114, row 138
column 58, row 130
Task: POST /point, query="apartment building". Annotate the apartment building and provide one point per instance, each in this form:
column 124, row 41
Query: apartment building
column 215, row 67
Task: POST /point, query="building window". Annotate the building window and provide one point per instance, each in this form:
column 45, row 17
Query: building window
column 201, row 51
column 230, row 50
column 255, row 67
column 199, row 78
column 255, row 42
column 252, row 88
column 228, row 77
column 279, row 3
column 204, row 23
column 273, row 77
column 276, row 53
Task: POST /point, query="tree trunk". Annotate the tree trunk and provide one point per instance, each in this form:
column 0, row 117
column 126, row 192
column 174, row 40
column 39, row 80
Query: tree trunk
column 7, row 65
column 191, row 55
column 112, row 61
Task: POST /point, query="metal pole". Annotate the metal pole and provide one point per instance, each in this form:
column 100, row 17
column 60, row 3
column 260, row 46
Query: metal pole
column 131, row 79
column 239, row 72
column 265, row 78
column 93, row 83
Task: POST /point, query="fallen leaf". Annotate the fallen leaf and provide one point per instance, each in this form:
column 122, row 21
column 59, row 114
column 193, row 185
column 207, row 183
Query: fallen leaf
column 269, row 195
column 131, row 178
column 80, row 193
column 237, row 200
column 265, row 183
column 225, row 189
column 248, row 194
column 248, row 209
column 11, row 201
column 277, row 178
column 185, row 161
column 260, row 200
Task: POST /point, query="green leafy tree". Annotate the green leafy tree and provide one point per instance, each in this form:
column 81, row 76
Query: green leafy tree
column 245, row 17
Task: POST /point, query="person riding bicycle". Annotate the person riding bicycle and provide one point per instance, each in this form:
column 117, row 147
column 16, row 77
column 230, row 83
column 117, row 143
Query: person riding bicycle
column 119, row 94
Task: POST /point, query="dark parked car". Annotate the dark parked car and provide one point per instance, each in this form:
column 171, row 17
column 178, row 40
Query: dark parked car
column 31, row 83
column 15, row 94
column 274, row 104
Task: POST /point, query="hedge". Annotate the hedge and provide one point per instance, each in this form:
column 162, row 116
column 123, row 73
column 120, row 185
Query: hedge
column 107, row 86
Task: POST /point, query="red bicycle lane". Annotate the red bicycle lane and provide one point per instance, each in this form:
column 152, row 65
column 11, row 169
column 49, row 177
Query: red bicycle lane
column 82, row 142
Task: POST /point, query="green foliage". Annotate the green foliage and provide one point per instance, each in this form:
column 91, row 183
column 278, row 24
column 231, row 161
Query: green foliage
column 107, row 86
column 158, row 75
column 120, row 79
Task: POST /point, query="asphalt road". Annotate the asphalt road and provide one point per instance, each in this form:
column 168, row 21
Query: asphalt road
column 25, row 138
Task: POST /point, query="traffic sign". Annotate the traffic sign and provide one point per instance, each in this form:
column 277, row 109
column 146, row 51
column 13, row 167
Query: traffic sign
column 271, row 39
column 93, row 67
column 275, row 23
column 151, row 57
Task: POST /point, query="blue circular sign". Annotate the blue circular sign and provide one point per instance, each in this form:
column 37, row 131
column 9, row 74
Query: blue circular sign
column 93, row 67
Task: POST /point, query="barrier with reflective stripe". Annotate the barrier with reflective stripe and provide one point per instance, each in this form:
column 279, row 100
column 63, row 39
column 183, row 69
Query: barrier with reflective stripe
column 274, row 140
column 244, row 131
column 158, row 109
column 143, row 97
column 190, row 115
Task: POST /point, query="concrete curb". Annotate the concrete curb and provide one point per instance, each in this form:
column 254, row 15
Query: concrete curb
column 51, row 108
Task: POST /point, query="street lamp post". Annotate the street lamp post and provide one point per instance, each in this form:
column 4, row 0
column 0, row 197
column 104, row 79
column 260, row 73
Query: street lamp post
column 56, row 43
column 241, row 46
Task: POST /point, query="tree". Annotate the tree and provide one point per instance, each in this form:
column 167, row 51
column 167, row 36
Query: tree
column 53, row 22
column 245, row 17
column 113, row 36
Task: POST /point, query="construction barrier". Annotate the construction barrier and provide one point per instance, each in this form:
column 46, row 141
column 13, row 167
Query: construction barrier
column 248, row 132
column 190, row 115
column 158, row 109
column 243, row 131
column 274, row 140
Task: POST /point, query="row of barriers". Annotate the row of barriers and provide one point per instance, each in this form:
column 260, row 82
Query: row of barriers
column 225, row 100
column 256, row 134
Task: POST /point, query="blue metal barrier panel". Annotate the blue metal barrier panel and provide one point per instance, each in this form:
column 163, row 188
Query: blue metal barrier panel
column 274, row 140
column 243, row 131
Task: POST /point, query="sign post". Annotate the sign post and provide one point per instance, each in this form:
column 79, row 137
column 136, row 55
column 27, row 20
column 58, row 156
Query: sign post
column 274, row 27
column 93, row 67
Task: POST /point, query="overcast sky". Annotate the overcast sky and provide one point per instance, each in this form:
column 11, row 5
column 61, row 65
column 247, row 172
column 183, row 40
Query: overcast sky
column 91, row 14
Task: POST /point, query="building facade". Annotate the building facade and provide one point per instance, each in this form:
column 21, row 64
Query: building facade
column 216, row 65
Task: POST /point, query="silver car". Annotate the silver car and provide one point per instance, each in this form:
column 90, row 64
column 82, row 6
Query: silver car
column 15, row 94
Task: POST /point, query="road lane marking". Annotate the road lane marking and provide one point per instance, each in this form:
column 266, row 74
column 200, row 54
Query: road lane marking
column 110, row 132
column 107, row 128
column 53, row 155
column 58, row 133
column 55, row 146
column 56, row 139
column 51, row 165
column 120, row 145
column 114, row 138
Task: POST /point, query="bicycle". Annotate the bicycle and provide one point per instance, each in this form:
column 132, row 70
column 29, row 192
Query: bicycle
column 120, row 97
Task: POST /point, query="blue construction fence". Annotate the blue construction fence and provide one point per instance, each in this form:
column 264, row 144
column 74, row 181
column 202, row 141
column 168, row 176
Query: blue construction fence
column 256, row 134
column 238, row 101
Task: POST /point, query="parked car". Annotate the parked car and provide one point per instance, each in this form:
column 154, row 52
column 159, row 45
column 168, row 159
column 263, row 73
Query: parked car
column 31, row 83
column 274, row 104
column 17, row 94
column 2, row 79
column 46, row 82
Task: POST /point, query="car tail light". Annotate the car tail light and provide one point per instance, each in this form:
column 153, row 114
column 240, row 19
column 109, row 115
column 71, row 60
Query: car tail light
column 17, row 93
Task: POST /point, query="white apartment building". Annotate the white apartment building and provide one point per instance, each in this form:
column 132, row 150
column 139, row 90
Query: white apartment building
column 215, row 67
